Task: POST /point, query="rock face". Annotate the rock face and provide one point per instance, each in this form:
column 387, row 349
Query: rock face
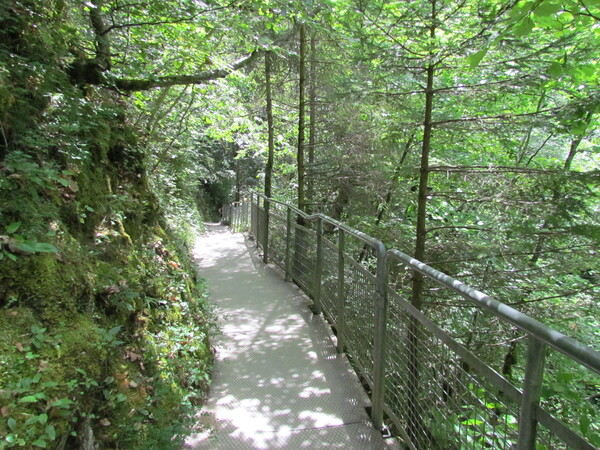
column 87, row 439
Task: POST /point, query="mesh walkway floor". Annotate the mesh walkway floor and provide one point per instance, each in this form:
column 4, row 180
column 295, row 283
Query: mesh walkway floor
column 278, row 381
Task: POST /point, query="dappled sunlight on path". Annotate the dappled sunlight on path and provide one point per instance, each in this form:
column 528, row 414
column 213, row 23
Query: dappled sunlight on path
column 278, row 381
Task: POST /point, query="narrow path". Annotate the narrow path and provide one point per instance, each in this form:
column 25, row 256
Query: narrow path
column 278, row 381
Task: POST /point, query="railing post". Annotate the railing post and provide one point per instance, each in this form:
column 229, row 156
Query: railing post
column 341, row 294
column 532, row 387
column 234, row 218
column 257, row 221
column 267, row 204
column 253, row 217
column 288, row 246
column 379, row 340
column 318, row 267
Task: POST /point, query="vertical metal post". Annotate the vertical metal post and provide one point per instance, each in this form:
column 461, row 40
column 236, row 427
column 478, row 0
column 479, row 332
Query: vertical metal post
column 532, row 387
column 379, row 339
column 341, row 294
column 288, row 245
column 257, row 221
column 253, row 217
column 318, row 267
column 267, row 204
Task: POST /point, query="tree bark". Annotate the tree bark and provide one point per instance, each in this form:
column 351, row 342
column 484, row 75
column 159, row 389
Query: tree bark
column 199, row 78
column 417, row 290
column 312, row 138
column 301, row 121
column 270, row 131
column 415, row 425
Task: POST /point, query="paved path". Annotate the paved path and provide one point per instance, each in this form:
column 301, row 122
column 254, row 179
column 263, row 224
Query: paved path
column 278, row 381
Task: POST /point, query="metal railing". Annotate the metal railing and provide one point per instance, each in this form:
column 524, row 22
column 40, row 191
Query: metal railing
column 436, row 387
column 236, row 214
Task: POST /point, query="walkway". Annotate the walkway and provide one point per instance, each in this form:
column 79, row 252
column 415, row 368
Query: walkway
column 278, row 381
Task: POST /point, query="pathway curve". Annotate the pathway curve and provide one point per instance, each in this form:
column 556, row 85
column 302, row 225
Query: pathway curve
column 278, row 381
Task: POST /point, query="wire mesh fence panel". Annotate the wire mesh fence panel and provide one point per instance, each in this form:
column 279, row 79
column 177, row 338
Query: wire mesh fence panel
column 240, row 216
column 435, row 398
column 329, row 280
column 254, row 220
column 571, row 394
column 304, row 258
column 455, row 368
column 262, row 226
column 359, row 315
column 277, row 239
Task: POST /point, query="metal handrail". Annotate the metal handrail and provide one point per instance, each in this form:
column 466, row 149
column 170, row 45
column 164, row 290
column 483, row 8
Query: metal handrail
column 555, row 339
column 540, row 335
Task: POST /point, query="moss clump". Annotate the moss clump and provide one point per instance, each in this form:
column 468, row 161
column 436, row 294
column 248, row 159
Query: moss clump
column 44, row 283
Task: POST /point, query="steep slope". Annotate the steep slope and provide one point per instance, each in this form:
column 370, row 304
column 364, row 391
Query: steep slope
column 103, row 326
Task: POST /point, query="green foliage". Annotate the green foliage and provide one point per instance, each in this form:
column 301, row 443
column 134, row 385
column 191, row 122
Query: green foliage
column 82, row 270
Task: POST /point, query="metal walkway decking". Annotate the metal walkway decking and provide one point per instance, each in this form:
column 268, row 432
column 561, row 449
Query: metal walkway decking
column 278, row 381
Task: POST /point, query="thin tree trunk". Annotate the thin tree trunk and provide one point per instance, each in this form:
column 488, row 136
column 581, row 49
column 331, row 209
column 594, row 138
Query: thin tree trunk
column 415, row 425
column 523, row 148
column 271, row 139
column 388, row 196
column 539, row 246
column 423, row 186
column 271, row 148
column 301, row 121
column 300, row 262
column 312, row 100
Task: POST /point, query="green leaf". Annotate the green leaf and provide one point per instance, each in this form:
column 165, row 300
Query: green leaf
column 29, row 399
column 12, row 423
column 547, row 8
column 31, row 420
column 476, row 58
column 114, row 331
column 39, row 443
column 584, row 423
column 43, row 247
column 579, row 127
column 472, row 422
column 524, row 27
column 62, row 403
column 555, row 70
column 51, row 432
column 11, row 228
column 26, row 246
column 43, row 418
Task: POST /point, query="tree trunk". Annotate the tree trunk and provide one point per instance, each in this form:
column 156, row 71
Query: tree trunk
column 312, row 100
column 271, row 149
column 270, row 131
column 415, row 424
column 301, row 121
column 539, row 246
column 423, row 187
column 388, row 196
